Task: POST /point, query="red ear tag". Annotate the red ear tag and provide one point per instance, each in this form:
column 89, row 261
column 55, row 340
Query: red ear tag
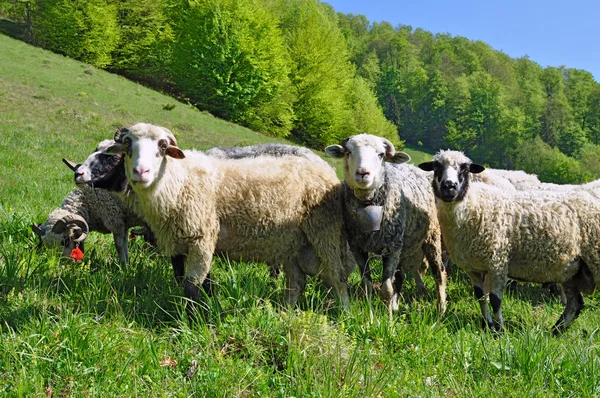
column 76, row 254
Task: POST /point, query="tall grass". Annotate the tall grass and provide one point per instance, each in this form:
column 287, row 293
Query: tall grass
column 98, row 329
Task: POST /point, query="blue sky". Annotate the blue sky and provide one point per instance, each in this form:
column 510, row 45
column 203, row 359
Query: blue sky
column 551, row 32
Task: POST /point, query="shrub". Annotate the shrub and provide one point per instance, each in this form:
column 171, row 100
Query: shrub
column 230, row 59
column 86, row 30
column 550, row 164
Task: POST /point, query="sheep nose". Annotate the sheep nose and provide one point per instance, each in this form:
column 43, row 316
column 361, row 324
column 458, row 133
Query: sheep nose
column 79, row 174
column 140, row 171
column 362, row 173
column 449, row 184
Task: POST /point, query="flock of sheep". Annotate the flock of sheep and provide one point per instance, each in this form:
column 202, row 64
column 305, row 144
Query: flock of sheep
column 284, row 206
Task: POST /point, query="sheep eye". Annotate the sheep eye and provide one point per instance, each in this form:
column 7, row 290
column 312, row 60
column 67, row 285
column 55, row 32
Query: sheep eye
column 380, row 155
column 437, row 165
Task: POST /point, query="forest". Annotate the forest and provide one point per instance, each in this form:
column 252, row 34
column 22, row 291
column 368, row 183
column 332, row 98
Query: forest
column 298, row 69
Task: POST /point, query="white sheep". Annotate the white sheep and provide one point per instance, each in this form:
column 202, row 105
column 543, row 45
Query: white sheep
column 408, row 228
column 280, row 210
column 520, row 235
column 82, row 211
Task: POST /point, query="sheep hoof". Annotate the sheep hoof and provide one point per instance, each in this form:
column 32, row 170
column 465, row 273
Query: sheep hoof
column 190, row 290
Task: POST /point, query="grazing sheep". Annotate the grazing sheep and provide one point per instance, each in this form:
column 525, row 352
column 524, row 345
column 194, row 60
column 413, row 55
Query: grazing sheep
column 408, row 227
column 280, row 210
column 520, row 235
column 84, row 210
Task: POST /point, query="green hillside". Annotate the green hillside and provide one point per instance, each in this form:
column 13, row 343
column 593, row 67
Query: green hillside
column 97, row 329
column 54, row 107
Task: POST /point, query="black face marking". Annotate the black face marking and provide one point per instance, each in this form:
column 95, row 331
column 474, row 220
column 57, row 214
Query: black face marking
column 447, row 190
column 162, row 148
column 108, row 172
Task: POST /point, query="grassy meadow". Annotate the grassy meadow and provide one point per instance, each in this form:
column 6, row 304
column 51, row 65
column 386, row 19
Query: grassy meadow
column 97, row 329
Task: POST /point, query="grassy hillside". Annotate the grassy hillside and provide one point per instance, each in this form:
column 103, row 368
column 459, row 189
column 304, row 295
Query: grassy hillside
column 96, row 329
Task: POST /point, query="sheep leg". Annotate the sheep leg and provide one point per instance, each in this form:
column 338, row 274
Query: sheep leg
column 198, row 263
column 572, row 308
column 477, row 280
column 399, row 279
column 366, row 281
column 121, row 245
column 295, row 282
column 388, row 290
column 433, row 255
column 178, row 263
column 497, row 286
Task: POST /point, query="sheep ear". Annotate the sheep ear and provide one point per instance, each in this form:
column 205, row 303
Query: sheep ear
column 72, row 165
column 426, row 166
column 174, row 152
column 399, row 158
column 115, row 149
column 335, row 151
column 476, row 168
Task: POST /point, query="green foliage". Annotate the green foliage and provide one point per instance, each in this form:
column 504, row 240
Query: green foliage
column 86, row 30
column 321, row 73
column 229, row 58
column 145, row 33
column 550, row 164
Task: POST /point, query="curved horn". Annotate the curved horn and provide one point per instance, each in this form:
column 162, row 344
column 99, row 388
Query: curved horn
column 172, row 140
column 72, row 165
column 389, row 148
column 120, row 133
column 61, row 225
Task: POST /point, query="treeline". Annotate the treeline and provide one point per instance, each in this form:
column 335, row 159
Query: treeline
column 278, row 66
column 297, row 68
column 443, row 91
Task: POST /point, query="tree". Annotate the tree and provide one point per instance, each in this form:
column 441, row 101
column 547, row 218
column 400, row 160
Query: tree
column 230, row 59
column 145, row 33
column 86, row 30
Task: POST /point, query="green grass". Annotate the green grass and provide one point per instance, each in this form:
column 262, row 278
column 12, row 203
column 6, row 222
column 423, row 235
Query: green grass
column 97, row 329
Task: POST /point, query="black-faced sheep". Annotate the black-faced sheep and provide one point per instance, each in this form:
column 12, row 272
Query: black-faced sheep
column 280, row 210
column 520, row 235
column 409, row 227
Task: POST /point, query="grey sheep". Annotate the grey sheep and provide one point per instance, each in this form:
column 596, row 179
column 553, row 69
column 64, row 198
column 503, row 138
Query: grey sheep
column 408, row 230
column 85, row 210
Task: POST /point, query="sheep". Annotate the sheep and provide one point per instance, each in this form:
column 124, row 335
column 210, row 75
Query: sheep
column 520, row 235
column 409, row 227
column 82, row 211
column 104, row 171
column 280, row 210
column 515, row 177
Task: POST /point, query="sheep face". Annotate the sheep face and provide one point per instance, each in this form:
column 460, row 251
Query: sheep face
column 451, row 174
column 99, row 167
column 68, row 233
column 145, row 147
column 364, row 156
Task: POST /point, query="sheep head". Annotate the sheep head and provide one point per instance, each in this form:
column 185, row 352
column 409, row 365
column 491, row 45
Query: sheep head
column 451, row 174
column 146, row 147
column 102, row 170
column 364, row 156
column 70, row 232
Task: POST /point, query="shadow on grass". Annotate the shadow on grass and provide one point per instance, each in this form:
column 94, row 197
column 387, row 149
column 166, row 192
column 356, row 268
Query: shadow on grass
column 13, row 29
